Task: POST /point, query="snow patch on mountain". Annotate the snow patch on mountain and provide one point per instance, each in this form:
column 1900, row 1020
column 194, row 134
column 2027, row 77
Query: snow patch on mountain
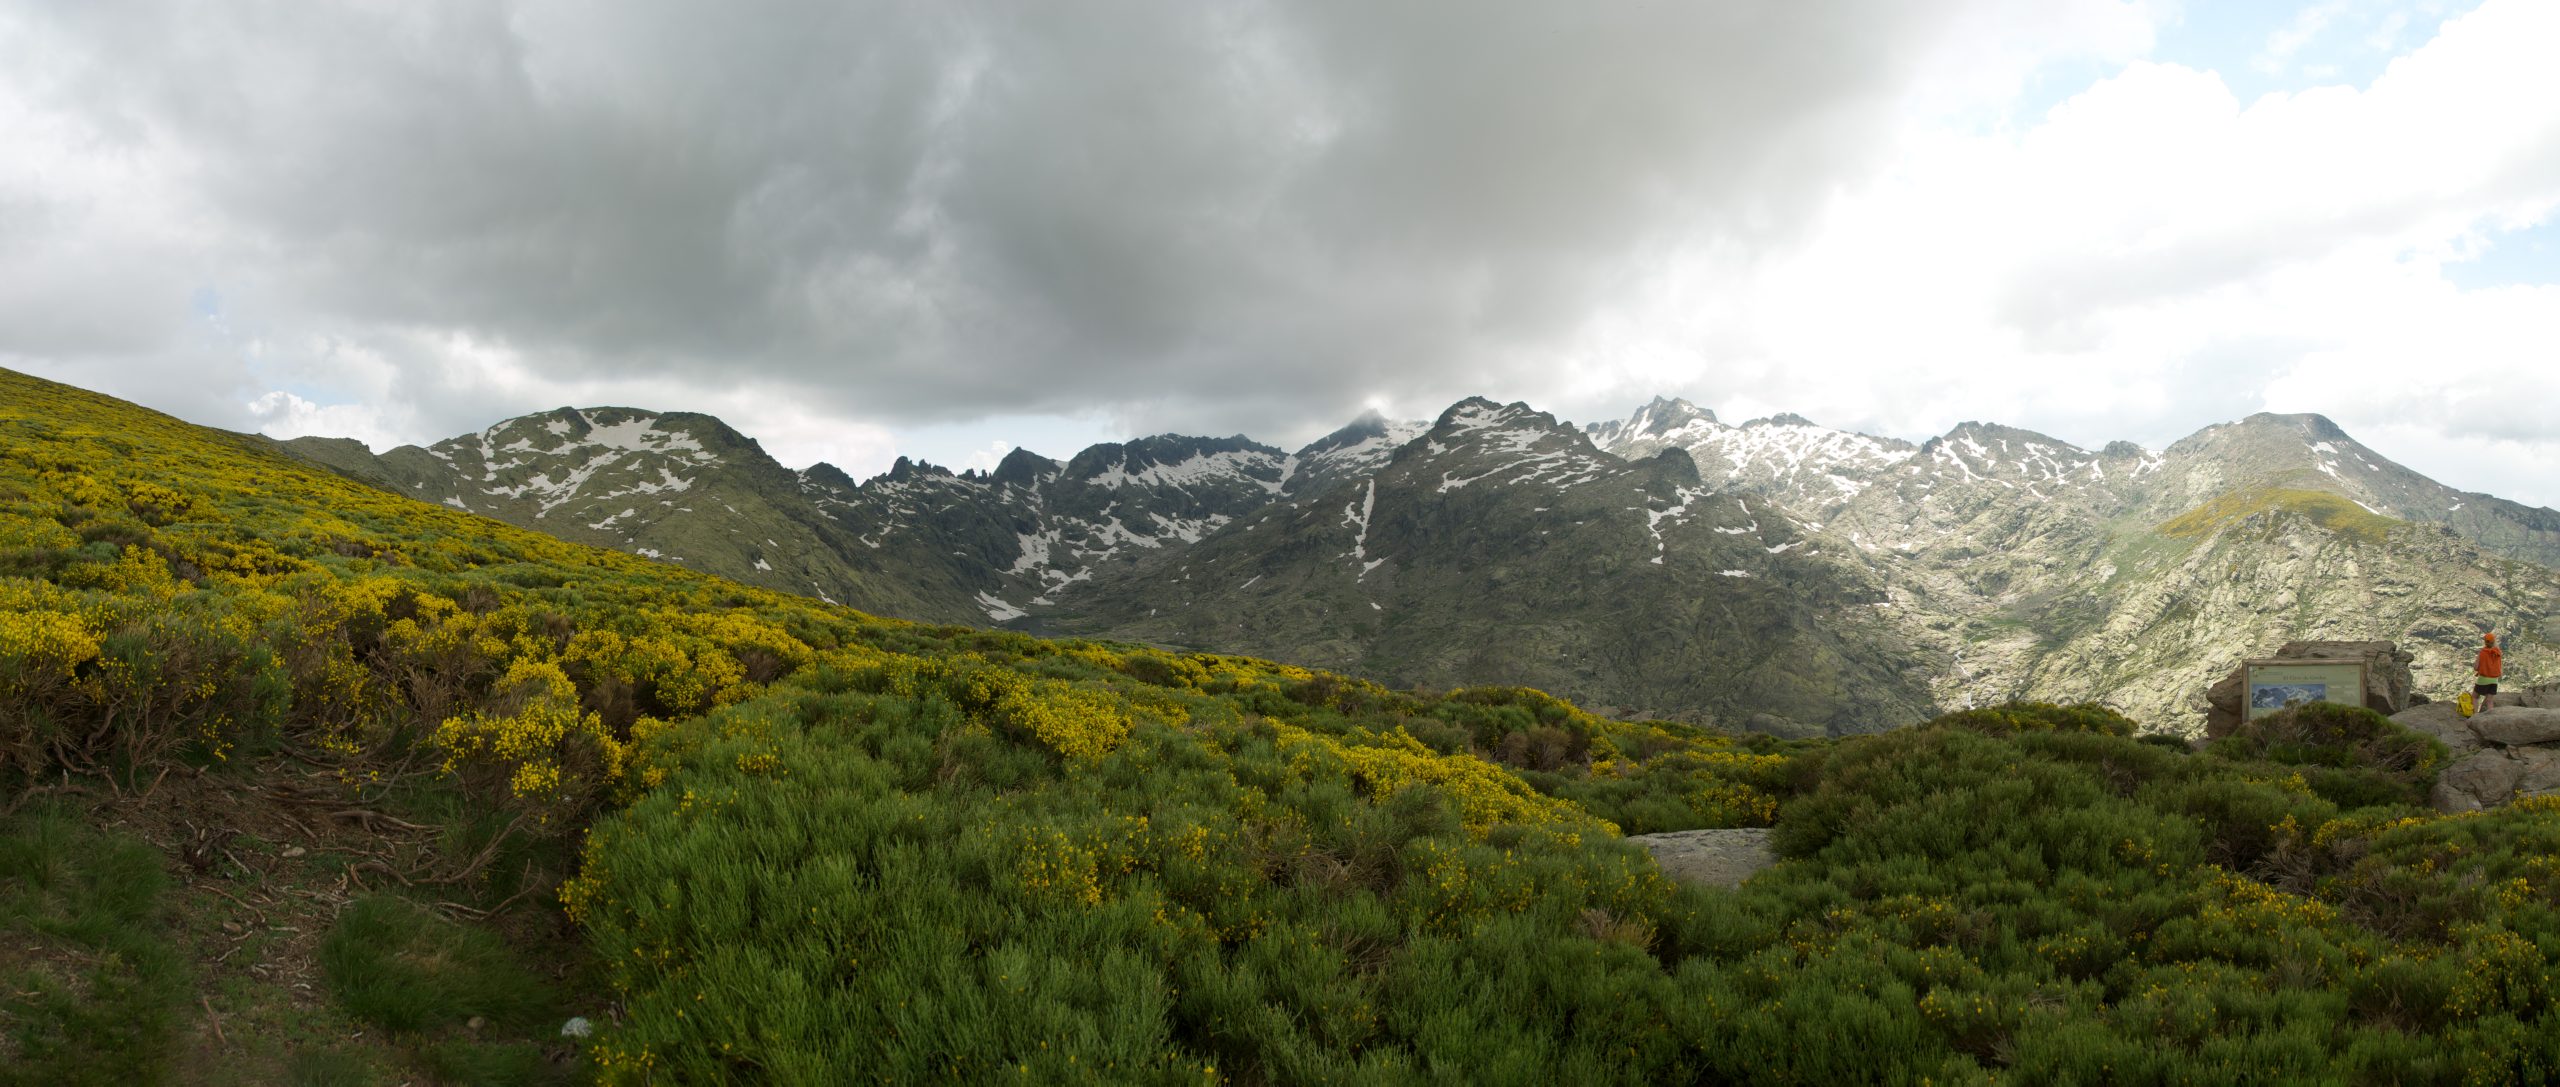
column 1234, row 465
column 1675, row 514
column 1360, row 457
column 1357, row 515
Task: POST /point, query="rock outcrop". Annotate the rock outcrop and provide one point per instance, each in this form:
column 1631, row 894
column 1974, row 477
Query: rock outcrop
column 1709, row 858
column 2504, row 755
column 2386, row 680
column 2442, row 721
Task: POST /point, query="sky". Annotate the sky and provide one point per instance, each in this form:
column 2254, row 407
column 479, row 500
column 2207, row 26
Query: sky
column 856, row 230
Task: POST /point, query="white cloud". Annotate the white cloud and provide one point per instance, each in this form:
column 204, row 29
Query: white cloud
column 281, row 414
column 986, row 460
column 2155, row 256
column 2308, row 23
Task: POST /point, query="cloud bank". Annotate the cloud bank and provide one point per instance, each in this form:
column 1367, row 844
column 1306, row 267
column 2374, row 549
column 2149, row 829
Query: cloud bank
column 851, row 228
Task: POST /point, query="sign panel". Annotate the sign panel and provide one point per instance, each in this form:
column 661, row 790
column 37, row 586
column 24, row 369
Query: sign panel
column 2277, row 684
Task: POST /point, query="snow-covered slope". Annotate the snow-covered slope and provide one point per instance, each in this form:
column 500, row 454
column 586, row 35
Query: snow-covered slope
column 1501, row 547
column 1035, row 527
column 1353, row 452
column 1812, row 470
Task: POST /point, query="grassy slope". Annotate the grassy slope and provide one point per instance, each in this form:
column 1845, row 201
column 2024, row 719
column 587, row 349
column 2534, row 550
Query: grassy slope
column 827, row 847
column 2329, row 511
column 469, row 692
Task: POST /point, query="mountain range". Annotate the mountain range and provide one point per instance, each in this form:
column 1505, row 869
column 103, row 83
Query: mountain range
column 1774, row 575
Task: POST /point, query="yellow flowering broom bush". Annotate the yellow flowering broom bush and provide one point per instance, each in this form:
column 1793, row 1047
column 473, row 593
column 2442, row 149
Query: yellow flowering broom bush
column 546, row 755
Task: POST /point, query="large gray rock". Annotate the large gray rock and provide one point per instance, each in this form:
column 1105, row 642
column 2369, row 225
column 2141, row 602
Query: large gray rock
column 2541, row 771
column 2495, row 776
column 2545, row 697
column 2442, row 721
column 1712, row 858
column 2386, row 684
column 2484, row 780
column 2517, row 727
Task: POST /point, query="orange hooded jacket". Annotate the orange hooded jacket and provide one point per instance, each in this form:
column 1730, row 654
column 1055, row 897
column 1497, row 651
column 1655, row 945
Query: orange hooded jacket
column 2491, row 664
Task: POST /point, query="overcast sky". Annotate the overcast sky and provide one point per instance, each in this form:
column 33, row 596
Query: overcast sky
column 856, row 230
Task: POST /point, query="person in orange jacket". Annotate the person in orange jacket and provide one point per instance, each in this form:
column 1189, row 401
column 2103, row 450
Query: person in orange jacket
column 2484, row 683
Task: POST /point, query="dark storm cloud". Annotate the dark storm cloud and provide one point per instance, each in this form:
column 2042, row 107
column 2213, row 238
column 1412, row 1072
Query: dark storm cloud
column 943, row 210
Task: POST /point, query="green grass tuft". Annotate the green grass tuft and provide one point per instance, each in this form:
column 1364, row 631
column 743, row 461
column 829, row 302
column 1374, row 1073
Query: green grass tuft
column 336, row 1067
column 89, row 985
column 399, row 967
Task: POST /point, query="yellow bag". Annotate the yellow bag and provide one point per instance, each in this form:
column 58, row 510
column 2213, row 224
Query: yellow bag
column 2462, row 703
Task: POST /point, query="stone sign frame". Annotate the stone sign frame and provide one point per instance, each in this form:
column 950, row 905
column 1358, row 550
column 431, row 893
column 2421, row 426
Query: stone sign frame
column 2270, row 685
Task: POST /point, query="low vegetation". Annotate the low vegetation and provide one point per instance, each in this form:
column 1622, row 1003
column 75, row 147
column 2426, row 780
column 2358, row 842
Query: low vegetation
column 2329, row 511
column 90, row 987
column 759, row 839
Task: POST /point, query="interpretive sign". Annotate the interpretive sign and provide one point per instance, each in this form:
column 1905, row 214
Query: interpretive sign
column 2276, row 684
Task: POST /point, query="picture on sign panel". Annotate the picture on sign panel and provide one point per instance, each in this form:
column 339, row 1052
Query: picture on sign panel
column 2275, row 685
column 2276, row 696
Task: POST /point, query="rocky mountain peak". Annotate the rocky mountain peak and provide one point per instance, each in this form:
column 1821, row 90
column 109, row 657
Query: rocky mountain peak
column 1660, row 424
column 1975, row 450
column 826, row 476
column 908, row 471
column 1023, row 468
column 1176, row 460
column 1663, row 415
column 570, row 422
column 2315, row 426
column 572, row 458
column 1786, row 457
column 2303, row 452
column 1354, row 451
column 1675, row 465
column 1371, row 425
column 1476, row 418
column 1510, row 444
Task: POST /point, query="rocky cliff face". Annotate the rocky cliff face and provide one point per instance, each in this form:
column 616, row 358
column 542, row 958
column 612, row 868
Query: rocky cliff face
column 2507, row 754
column 1502, row 547
column 1007, row 541
column 2047, row 571
column 1812, row 470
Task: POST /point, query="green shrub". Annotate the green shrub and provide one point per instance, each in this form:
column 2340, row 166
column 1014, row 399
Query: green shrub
column 1193, row 900
column 2363, row 758
column 2017, row 717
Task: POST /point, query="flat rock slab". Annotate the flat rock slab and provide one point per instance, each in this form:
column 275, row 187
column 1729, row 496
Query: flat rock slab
column 2517, row 727
column 2442, row 721
column 1710, row 858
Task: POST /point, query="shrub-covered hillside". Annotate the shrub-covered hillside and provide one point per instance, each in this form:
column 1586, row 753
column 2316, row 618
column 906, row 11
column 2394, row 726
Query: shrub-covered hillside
column 758, row 839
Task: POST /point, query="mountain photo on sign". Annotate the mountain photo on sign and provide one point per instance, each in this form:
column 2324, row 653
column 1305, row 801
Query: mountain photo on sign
column 2276, row 696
